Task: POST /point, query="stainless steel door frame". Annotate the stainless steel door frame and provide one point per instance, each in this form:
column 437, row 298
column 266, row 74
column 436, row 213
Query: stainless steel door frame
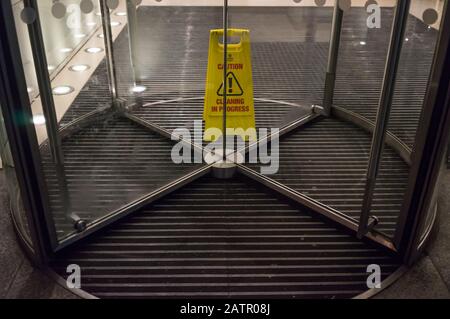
column 18, row 116
column 429, row 148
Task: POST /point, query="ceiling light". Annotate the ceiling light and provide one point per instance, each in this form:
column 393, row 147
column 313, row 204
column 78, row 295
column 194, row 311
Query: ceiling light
column 91, row 24
column 51, row 67
column 362, row 42
column 115, row 23
column 65, row 50
column 94, row 50
column 63, row 90
column 30, row 89
column 80, row 35
column 101, row 36
column 79, row 67
column 121, row 14
column 139, row 89
column 39, row 119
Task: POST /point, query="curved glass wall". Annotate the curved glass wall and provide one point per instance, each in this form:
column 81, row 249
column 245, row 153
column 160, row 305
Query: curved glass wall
column 122, row 77
column 418, row 49
column 96, row 161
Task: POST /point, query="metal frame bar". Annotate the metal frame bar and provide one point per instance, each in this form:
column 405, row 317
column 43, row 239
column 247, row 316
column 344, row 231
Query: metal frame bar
column 429, row 148
column 48, row 107
column 333, row 54
column 84, row 120
column 225, row 84
column 109, row 50
column 22, row 138
column 384, row 107
column 132, row 39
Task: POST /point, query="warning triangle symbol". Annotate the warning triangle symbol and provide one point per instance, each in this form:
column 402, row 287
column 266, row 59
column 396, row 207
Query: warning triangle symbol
column 233, row 86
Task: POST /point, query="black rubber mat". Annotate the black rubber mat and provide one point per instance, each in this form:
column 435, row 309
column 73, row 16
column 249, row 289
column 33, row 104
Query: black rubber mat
column 233, row 238
column 251, row 244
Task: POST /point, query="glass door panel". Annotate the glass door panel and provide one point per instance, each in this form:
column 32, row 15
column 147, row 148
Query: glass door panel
column 161, row 59
column 325, row 161
column 418, row 48
column 97, row 162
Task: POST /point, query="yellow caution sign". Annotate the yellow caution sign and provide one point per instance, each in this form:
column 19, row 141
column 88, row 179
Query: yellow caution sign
column 240, row 105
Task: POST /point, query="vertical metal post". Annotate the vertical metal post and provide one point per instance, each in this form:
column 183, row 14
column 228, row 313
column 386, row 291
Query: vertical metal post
column 48, row 107
column 132, row 40
column 333, row 53
column 225, row 71
column 109, row 50
column 384, row 108
column 22, row 138
column 45, row 88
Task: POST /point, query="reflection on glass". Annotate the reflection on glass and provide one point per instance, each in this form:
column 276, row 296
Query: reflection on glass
column 63, row 35
column 8, row 178
column 325, row 160
column 161, row 58
column 407, row 105
column 108, row 161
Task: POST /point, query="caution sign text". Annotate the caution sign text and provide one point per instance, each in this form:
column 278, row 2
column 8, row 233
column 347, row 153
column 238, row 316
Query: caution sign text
column 239, row 86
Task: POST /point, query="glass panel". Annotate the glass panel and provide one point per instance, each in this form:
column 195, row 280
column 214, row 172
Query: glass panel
column 107, row 161
column 63, row 37
column 414, row 69
column 326, row 159
column 168, row 47
column 363, row 51
column 366, row 31
column 289, row 47
column 66, row 29
column 78, row 52
column 411, row 83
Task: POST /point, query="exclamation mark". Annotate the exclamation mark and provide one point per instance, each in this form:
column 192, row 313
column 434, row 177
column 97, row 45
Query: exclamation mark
column 230, row 85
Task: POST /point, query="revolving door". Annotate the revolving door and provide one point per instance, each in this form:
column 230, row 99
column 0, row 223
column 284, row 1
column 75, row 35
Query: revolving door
column 350, row 114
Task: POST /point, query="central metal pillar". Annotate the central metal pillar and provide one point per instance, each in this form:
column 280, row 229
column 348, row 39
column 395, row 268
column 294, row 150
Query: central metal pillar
column 225, row 71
